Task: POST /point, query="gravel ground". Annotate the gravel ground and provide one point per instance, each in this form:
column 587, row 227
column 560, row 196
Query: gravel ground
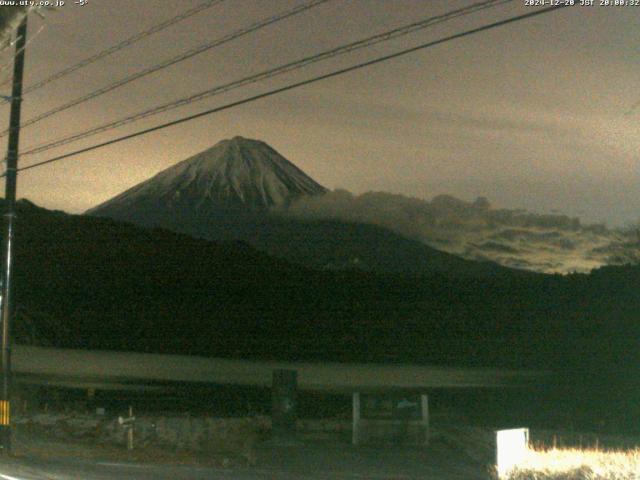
column 53, row 459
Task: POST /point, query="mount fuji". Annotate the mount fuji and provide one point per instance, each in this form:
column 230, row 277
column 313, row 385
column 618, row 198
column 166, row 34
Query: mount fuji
column 237, row 190
column 237, row 174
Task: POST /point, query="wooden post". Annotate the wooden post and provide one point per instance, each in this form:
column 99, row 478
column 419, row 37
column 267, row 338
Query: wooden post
column 128, row 425
column 424, row 401
column 355, row 434
column 130, row 430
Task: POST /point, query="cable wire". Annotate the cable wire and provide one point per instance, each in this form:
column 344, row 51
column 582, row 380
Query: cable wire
column 184, row 56
column 286, row 88
column 125, row 43
column 30, row 40
column 10, row 43
column 288, row 67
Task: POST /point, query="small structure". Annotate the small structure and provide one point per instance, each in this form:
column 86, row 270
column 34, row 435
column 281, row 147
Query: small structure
column 391, row 417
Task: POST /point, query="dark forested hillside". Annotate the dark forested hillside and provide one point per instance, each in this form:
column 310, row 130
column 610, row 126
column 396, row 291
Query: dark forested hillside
column 86, row 282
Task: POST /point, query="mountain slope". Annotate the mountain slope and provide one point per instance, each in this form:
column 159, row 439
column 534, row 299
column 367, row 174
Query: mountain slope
column 229, row 192
column 93, row 283
column 85, row 282
column 234, row 174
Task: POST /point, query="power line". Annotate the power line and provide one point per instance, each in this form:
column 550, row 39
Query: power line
column 292, row 86
column 125, row 43
column 184, row 56
column 8, row 64
column 11, row 18
column 10, row 43
column 288, row 67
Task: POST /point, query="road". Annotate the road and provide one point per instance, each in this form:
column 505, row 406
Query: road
column 275, row 463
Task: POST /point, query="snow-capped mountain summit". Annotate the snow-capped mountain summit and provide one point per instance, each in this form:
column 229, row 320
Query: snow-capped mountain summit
column 241, row 189
column 240, row 172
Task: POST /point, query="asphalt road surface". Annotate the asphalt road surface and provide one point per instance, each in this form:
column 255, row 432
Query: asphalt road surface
column 302, row 463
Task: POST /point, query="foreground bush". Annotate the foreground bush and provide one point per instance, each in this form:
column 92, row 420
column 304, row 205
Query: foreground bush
column 577, row 464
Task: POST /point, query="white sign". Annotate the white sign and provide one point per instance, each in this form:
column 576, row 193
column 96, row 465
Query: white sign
column 511, row 448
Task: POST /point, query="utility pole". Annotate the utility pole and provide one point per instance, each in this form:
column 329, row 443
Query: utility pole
column 6, row 309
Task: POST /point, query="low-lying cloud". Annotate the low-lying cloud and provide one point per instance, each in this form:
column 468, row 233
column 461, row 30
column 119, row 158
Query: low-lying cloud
column 475, row 230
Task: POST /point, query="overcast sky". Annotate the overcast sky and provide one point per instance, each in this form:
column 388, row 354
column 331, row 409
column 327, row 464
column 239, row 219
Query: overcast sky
column 530, row 115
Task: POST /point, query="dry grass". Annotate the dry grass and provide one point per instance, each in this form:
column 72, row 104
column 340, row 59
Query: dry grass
column 574, row 464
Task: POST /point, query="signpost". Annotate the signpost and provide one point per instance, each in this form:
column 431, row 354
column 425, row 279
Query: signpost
column 128, row 424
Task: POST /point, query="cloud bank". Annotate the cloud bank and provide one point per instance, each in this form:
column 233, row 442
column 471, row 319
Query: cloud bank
column 475, row 230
